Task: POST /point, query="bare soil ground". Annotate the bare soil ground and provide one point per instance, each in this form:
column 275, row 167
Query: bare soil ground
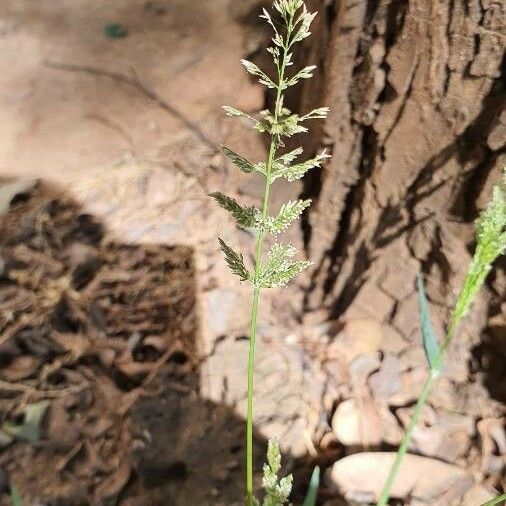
column 116, row 307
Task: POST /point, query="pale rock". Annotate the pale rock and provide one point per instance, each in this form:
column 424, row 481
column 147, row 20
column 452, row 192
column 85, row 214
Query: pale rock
column 224, row 310
column 478, row 494
column 361, row 368
column 391, row 431
column 363, row 422
column 419, row 240
column 445, row 395
column 356, row 337
column 11, row 189
column 360, row 477
column 357, row 423
column 412, row 382
column 393, row 341
column 399, row 277
column 406, row 317
column 412, row 357
column 386, row 382
column 380, row 309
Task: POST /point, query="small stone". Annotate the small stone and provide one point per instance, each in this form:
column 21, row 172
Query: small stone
column 356, row 337
column 357, row 423
column 386, row 382
column 420, row 478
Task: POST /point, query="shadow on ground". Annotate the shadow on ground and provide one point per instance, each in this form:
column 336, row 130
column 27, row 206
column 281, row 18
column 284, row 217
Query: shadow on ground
column 107, row 332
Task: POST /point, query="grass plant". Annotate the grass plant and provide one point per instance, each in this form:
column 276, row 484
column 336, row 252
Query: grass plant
column 490, row 243
column 290, row 21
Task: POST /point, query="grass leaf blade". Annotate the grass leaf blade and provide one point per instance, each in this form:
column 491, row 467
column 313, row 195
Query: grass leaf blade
column 16, row 499
column 312, row 492
column 430, row 343
column 495, row 500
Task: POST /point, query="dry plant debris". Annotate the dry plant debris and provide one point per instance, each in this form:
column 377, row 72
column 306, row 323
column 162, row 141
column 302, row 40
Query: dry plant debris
column 86, row 323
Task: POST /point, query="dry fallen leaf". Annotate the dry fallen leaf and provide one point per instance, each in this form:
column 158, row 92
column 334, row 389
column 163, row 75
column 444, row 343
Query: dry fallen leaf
column 20, row 368
column 115, row 482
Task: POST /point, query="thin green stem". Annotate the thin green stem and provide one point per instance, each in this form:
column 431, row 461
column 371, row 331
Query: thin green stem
column 496, row 500
column 249, row 420
column 256, row 298
column 422, row 400
column 403, row 448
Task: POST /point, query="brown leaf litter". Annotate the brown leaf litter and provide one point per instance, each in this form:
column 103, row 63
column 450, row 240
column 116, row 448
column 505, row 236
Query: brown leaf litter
column 86, row 322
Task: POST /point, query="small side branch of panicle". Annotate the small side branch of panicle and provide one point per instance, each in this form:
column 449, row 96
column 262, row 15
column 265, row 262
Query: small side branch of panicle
column 244, row 216
column 280, row 269
column 235, row 261
column 282, row 167
column 255, row 70
column 288, row 213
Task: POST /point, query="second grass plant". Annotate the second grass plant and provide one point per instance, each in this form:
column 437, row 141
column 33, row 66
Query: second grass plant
column 290, row 22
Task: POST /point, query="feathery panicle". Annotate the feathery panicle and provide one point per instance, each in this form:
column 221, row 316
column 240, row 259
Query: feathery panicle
column 277, row 491
column 491, row 242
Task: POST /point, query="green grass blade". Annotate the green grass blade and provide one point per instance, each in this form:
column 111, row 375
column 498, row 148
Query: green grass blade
column 496, row 500
column 430, row 343
column 312, row 492
column 16, row 496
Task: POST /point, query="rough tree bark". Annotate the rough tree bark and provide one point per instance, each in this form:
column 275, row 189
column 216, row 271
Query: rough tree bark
column 417, row 135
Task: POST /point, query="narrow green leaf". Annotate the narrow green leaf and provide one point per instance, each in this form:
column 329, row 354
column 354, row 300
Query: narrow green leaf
column 312, row 492
column 238, row 160
column 496, row 500
column 244, row 216
column 430, row 343
column 16, row 499
column 235, row 261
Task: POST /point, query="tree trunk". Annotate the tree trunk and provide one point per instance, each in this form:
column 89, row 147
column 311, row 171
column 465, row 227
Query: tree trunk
column 417, row 134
